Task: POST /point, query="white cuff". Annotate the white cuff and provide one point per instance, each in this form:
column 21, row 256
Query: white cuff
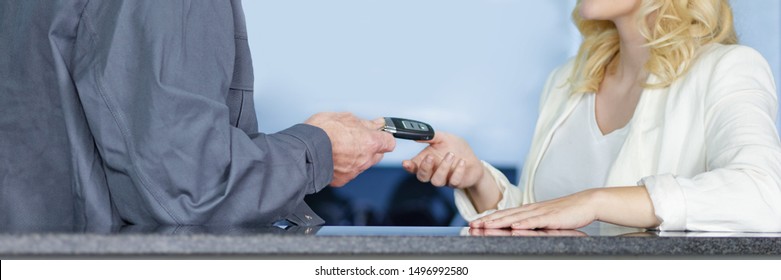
column 465, row 206
column 668, row 201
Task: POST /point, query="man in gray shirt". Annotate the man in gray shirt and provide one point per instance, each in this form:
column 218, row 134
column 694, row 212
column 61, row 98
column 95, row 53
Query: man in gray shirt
column 141, row 112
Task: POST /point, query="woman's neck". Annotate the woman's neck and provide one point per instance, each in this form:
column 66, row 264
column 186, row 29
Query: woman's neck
column 629, row 65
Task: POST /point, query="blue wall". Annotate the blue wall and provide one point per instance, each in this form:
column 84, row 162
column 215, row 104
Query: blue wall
column 471, row 67
column 475, row 68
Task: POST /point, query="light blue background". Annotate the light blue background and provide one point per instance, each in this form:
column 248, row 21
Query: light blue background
column 474, row 68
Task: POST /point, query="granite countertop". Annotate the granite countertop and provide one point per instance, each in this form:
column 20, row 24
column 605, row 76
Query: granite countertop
column 350, row 242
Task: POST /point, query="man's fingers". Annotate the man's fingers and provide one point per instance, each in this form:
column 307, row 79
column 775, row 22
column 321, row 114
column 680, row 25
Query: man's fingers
column 377, row 158
column 338, row 182
column 385, row 142
column 376, row 123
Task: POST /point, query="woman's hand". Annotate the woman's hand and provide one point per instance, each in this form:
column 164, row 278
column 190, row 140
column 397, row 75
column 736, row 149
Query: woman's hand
column 447, row 161
column 569, row 212
column 626, row 206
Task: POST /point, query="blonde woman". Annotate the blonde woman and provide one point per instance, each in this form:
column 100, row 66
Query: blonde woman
column 660, row 121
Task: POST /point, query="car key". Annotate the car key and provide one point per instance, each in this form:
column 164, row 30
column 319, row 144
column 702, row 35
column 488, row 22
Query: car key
column 408, row 129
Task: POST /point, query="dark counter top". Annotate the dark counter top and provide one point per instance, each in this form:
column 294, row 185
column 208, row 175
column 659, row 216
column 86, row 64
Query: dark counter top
column 359, row 242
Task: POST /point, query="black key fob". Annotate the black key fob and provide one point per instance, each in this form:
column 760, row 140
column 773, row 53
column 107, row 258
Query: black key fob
column 408, row 129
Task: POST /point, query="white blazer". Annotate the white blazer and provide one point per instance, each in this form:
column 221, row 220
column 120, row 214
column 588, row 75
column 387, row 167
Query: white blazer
column 706, row 148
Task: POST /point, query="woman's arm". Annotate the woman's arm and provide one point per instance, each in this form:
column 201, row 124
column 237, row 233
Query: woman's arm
column 627, row 206
column 741, row 189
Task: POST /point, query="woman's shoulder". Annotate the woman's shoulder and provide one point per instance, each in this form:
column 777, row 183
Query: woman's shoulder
column 563, row 72
column 715, row 55
column 559, row 78
column 718, row 49
column 724, row 68
column 558, row 83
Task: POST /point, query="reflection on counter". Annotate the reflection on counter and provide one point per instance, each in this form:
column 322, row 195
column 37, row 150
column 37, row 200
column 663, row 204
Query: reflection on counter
column 597, row 229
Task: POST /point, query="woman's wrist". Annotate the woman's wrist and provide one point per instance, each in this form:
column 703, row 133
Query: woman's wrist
column 627, row 206
column 485, row 194
column 597, row 201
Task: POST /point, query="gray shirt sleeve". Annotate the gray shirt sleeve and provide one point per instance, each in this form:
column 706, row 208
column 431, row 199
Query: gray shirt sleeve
column 154, row 79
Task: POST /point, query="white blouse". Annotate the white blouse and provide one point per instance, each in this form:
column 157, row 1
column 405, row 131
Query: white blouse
column 706, row 147
column 579, row 156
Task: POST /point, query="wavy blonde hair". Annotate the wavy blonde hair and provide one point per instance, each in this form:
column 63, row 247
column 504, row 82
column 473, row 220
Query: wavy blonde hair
column 674, row 30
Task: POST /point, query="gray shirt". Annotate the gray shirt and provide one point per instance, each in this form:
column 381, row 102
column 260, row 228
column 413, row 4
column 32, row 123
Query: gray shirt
column 141, row 112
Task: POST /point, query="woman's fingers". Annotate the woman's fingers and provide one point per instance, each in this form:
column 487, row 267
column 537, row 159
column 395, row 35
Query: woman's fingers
column 541, row 221
column 440, row 176
column 489, row 232
column 443, row 169
column 479, row 223
column 505, row 218
column 458, row 174
column 509, row 220
column 409, row 166
column 524, row 232
column 426, row 169
column 547, row 232
column 450, row 171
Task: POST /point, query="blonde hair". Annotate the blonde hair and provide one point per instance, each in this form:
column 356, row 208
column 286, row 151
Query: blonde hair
column 674, row 30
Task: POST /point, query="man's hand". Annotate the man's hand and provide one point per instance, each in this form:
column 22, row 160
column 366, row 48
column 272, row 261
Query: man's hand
column 356, row 144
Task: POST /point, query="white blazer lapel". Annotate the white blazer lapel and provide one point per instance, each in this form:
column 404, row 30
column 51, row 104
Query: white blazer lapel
column 547, row 127
column 639, row 156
